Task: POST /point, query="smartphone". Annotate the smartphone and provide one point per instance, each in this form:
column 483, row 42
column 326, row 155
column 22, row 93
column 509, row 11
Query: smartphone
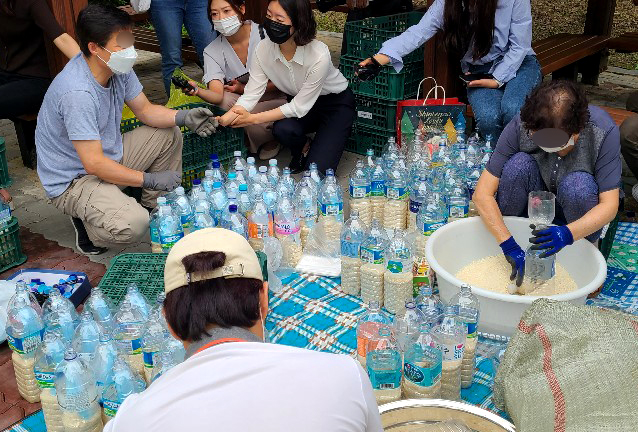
column 243, row 78
column 473, row 77
column 182, row 83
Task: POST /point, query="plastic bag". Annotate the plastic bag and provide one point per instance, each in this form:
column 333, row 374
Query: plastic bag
column 322, row 254
column 272, row 249
column 141, row 6
column 177, row 97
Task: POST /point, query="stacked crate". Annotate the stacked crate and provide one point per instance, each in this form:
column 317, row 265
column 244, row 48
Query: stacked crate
column 377, row 99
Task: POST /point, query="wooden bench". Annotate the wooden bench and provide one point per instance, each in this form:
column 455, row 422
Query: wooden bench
column 618, row 115
column 625, row 43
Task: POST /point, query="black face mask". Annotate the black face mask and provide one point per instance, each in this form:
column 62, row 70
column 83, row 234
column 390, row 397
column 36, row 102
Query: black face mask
column 277, row 32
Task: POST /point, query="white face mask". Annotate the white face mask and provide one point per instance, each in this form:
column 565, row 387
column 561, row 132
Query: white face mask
column 121, row 62
column 227, row 26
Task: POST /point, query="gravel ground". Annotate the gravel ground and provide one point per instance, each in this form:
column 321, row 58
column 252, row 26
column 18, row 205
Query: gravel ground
column 549, row 19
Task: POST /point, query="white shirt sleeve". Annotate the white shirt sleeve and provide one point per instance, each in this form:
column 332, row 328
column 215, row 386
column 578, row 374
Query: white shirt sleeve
column 256, row 86
column 373, row 419
column 301, row 104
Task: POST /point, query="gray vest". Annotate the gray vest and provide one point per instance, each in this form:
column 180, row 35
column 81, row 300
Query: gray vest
column 554, row 168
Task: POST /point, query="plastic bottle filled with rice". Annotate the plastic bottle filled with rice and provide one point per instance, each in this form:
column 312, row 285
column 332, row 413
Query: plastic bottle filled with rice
column 397, row 280
column 352, row 236
column 373, row 263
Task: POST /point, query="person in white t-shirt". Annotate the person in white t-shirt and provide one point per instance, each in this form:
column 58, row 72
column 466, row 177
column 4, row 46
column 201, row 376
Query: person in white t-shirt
column 216, row 302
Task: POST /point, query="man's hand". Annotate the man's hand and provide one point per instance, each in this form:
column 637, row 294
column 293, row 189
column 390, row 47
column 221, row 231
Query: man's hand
column 551, row 240
column 200, row 120
column 486, row 83
column 189, row 92
column 162, row 180
column 516, row 257
column 235, row 86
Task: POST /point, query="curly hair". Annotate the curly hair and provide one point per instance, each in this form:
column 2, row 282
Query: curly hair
column 556, row 104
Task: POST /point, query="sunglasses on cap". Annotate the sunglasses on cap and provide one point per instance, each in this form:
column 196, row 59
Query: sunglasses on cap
column 552, row 140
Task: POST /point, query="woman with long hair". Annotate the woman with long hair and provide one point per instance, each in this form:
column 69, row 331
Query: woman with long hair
column 300, row 66
column 493, row 40
column 226, row 62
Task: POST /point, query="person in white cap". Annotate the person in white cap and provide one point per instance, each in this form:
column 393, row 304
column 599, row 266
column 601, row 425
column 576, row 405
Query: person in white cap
column 216, row 303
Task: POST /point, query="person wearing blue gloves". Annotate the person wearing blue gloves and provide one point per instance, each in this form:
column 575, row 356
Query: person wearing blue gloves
column 558, row 143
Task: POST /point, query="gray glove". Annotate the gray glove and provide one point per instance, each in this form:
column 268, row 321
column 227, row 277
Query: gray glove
column 200, row 120
column 162, row 180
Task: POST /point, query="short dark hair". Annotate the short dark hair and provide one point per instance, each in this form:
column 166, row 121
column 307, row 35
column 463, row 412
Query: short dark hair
column 96, row 23
column 303, row 20
column 233, row 302
column 235, row 4
column 557, row 104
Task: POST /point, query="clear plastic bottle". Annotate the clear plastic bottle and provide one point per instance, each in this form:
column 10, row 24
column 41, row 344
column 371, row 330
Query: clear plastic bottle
column 407, row 323
column 251, row 169
column 184, row 210
column 77, row 395
column 87, row 337
column 169, row 224
column 244, row 202
column 384, row 367
column 232, row 185
column 260, row 224
column 396, row 206
column 273, row 172
column 156, row 246
column 101, row 307
column 369, row 161
column 24, row 333
column 259, row 183
column 236, row 222
column 207, row 181
column 287, row 230
column 270, row 196
column 377, row 189
column 22, row 290
column 373, row 263
column 124, row 382
column 129, row 327
column 458, row 200
column 418, row 196
column 397, row 280
column 360, row 192
column 217, row 171
column 315, row 175
column 467, row 310
column 242, row 176
column 102, row 364
column 202, row 219
column 5, row 214
column 392, row 152
column 432, row 216
column 430, row 305
column 61, row 318
column 138, row 300
column 422, row 366
column 331, row 206
column 450, row 340
column 219, row 202
column 49, row 355
column 353, row 234
column 153, row 337
column 306, row 205
column 238, row 161
column 368, row 330
column 286, row 185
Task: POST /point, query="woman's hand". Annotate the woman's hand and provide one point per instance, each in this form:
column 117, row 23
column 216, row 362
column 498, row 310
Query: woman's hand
column 188, row 92
column 243, row 117
column 381, row 58
column 486, row 83
column 228, row 118
column 235, row 86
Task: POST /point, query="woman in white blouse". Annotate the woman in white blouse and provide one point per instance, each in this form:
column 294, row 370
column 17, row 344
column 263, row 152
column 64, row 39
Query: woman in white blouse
column 226, row 62
column 300, row 66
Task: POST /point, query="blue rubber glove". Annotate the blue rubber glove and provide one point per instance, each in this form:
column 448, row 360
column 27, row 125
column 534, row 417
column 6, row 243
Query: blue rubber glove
column 516, row 257
column 552, row 239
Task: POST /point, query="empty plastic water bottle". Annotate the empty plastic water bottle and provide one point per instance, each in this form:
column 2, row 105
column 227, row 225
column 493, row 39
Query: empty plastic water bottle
column 331, row 198
column 103, row 361
column 22, row 290
column 450, row 339
column 217, row 171
column 315, row 175
column 169, row 225
column 384, row 367
column 202, row 219
column 129, row 327
column 407, row 322
column 244, row 202
column 467, row 311
column 422, row 365
column 124, row 382
column 242, row 177
column 260, row 224
column 432, row 216
column 207, row 181
column 377, row 189
column 353, row 234
column 360, row 192
column 156, row 247
column 368, row 329
column 101, row 307
column 137, row 300
column 49, row 355
column 392, row 152
column 305, row 200
column 251, row 169
column 87, row 337
column 369, row 161
column 152, row 340
column 430, row 305
column 236, row 222
column 239, row 161
column 418, row 196
column 273, row 172
column 232, row 185
column 458, row 200
column 286, row 185
column 24, row 334
column 259, row 183
column 184, row 209
column 77, row 395
column 219, row 202
column 5, row 213
column 61, row 316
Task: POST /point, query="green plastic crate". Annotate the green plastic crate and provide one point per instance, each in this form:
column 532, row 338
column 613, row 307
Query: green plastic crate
column 389, row 85
column 145, row 270
column 365, row 37
column 363, row 138
column 608, row 241
column 11, row 253
column 375, row 112
column 5, row 180
column 191, row 173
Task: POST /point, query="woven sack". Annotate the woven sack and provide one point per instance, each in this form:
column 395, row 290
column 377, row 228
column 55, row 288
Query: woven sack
column 571, row 368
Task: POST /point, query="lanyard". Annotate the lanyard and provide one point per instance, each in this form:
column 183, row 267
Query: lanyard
column 218, row 342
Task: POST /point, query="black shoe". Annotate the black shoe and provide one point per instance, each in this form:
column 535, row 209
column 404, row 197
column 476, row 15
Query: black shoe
column 82, row 241
column 298, row 163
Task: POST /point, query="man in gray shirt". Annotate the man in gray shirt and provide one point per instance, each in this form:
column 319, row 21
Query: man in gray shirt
column 560, row 144
column 83, row 160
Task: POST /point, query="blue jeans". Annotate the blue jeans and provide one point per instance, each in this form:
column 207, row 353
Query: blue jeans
column 577, row 192
column 495, row 108
column 168, row 17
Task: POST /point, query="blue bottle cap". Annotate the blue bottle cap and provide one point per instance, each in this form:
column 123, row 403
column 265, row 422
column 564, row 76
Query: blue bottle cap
column 217, row 185
column 243, row 187
column 232, row 175
column 214, row 157
column 197, row 182
column 232, row 208
column 216, row 164
column 35, row 281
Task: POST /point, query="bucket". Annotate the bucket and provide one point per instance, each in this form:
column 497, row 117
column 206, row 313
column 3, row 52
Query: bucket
column 459, row 243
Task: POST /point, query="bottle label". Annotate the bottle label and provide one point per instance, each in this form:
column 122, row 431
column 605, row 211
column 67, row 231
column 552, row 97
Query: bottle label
column 110, row 408
column 359, row 191
column 429, row 228
column 459, row 211
column 335, row 209
column 372, row 256
column 350, row 249
column 149, row 357
column 395, row 266
column 415, row 206
column 452, row 352
column 396, row 193
column 26, row 344
column 423, row 376
column 260, row 230
column 472, row 330
column 45, row 379
column 420, row 273
column 136, row 346
column 287, row 227
column 168, row 242
column 187, row 221
column 384, row 379
column 155, row 237
column 377, row 188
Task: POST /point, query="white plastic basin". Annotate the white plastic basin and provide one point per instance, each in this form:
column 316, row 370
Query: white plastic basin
column 459, row 243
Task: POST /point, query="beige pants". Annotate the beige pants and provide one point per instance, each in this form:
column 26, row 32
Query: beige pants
column 260, row 133
column 108, row 214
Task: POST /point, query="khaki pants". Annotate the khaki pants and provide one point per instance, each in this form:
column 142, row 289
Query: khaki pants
column 258, row 134
column 108, row 214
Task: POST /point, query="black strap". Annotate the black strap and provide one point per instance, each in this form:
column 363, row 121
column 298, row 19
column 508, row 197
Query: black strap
column 261, row 31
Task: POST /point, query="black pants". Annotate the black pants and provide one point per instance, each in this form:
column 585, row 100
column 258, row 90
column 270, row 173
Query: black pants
column 331, row 118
